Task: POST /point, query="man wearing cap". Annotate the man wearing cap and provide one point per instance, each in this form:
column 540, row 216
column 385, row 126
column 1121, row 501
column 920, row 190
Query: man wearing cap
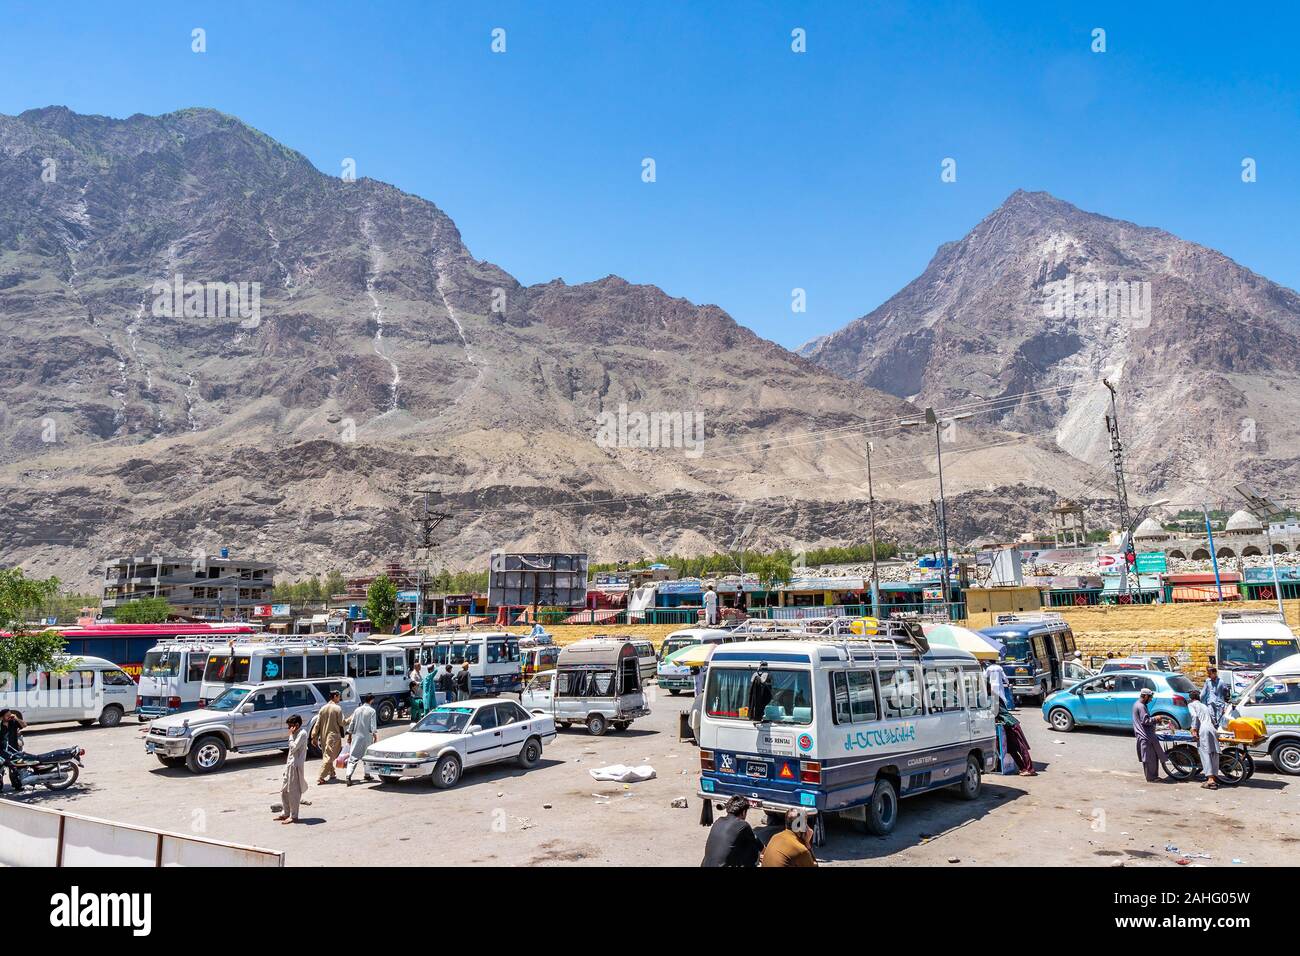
column 1144, row 727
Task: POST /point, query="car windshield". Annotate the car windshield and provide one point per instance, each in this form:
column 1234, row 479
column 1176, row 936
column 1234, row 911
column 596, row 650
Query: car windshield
column 230, row 699
column 445, row 720
column 1017, row 648
column 161, row 664
column 1243, row 652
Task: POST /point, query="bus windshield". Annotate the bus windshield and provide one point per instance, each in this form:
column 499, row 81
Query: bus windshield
column 1018, row 648
column 161, row 664
column 728, row 695
column 673, row 645
column 1244, row 652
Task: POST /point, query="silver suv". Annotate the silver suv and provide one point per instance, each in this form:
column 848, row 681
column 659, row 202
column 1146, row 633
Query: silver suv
column 246, row 718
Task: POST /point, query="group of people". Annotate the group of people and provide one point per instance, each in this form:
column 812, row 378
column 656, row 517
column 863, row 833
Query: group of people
column 327, row 734
column 732, row 842
column 427, row 684
column 1208, row 707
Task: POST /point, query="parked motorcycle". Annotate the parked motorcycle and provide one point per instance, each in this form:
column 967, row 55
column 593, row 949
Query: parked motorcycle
column 57, row 770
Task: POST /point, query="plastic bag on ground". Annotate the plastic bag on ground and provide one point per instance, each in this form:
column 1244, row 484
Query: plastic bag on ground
column 621, row 773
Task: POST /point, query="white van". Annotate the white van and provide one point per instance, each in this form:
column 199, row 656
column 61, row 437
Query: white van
column 91, row 690
column 843, row 724
column 675, row 678
column 596, row 682
column 1247, row 642
column 1274, row 698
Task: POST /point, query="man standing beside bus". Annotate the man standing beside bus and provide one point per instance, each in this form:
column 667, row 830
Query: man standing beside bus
column 362, row 729
column 997, row 678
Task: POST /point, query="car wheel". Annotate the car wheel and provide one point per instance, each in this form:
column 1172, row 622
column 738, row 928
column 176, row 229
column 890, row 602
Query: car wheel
column 531, row 753
column 882, row 811
column 446, row 772
column 1061, row 720
column 86, row 723
column 673, row 692
column 1286, row 756
column 597, row 725
column 971, row 780
column 170, row 761
column 206, row 755
column 111, row 717
column 1165, row 724
column 384, row 713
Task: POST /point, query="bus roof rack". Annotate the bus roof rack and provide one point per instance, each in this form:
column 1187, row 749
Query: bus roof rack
column 1252, row 615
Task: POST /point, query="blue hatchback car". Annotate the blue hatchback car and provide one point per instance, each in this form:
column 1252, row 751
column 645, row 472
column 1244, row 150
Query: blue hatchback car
column 1107, row 700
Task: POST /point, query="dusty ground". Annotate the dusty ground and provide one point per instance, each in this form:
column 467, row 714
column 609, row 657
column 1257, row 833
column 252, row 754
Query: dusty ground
column 1088, row 806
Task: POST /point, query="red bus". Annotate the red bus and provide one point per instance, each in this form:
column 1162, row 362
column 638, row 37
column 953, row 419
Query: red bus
column 126, row 644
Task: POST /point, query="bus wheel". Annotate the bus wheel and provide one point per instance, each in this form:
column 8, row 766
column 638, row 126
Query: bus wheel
column 970, row 782
column 882, row 811
column 673, row 692
column 385, row 711
column 1286, row 756
column 111, row 717
column 597, row 725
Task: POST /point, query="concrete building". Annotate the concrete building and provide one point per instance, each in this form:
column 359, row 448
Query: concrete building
column 202, row 586
column 1242, row 537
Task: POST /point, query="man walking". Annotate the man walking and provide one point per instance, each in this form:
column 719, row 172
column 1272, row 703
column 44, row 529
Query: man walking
column 998, row 686
column 328, row 736
column 1144, row 728
column 362, row 729
column 294, row 783
column 462, row 682
column 1215, row 694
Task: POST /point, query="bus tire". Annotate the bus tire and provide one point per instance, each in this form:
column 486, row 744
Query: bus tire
column 385, row 712
column 86, row 723
column 1286, row 756
column 1061, row 720
column 882, row 809
column 674, row 692
column 531, row 753
column 206, row 755
column 111, row 716
column 969, row 788
column 597, row 725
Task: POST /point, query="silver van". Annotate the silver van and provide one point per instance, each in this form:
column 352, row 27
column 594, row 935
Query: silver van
column 91, row 690
column 596, row 682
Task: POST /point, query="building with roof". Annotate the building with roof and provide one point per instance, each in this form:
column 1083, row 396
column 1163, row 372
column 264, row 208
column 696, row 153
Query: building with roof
column 208, row 587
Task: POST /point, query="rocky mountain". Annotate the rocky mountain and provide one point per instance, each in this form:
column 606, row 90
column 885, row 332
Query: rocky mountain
column 1042, row 295
column 205, row 342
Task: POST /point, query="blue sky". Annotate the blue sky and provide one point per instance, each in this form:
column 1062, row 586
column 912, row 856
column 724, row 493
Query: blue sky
column 775, row 170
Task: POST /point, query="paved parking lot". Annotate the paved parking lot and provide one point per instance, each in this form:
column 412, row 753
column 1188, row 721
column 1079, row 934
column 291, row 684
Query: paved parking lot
column 1088, row 806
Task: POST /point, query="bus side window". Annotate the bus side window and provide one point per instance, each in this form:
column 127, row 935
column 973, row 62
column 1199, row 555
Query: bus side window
column 396, row 664
column 840, row 697
column 334, row 665
column 194, row 669
column 292, row 668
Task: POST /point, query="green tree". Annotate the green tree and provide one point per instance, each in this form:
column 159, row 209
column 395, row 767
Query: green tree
column 381, row 604
column 335, row 583
column 26, row 648
column 150, row 610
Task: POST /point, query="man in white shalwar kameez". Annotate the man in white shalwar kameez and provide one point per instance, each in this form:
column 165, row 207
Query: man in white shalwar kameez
column 294, row 784
column 362, row 727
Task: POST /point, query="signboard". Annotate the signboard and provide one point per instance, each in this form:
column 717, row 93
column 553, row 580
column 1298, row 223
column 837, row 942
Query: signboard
column 1265, row 575
column 408, row 597
column 549, row 579
column 280, row 610
column 261, row 610
column 1152, row 562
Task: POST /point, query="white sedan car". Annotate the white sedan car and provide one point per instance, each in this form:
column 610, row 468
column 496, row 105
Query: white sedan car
column 454, row 737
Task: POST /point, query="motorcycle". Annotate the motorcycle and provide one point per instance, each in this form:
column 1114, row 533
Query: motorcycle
column 57, row 770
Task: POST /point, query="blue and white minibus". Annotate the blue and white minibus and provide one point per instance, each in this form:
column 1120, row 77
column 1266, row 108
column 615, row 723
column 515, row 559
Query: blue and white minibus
column 495, row 664
column 843, row 724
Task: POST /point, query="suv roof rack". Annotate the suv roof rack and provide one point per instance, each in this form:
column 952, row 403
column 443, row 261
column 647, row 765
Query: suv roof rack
column 1029, row 617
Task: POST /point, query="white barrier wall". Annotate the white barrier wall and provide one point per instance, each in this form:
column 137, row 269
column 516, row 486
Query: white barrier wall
column 35, row 836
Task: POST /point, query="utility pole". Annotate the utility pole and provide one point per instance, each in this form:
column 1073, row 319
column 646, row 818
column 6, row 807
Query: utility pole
column 871, row 508
column 430, row 519
column 1121, row 489
column 931, row 418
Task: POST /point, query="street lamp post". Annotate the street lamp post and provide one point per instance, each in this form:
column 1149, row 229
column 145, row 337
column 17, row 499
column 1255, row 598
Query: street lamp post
column 871, row 508
column 931, row 418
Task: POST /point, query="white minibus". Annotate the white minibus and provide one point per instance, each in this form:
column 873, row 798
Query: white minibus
column 495, row 665
column 90, row 690
column 844, row 725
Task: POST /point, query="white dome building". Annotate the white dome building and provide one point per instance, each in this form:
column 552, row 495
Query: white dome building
column 1243, row 522
column 1149, row 530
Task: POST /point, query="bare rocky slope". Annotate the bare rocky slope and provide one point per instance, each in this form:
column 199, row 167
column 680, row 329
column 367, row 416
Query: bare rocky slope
column 382, row 358
column 1207, row 361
